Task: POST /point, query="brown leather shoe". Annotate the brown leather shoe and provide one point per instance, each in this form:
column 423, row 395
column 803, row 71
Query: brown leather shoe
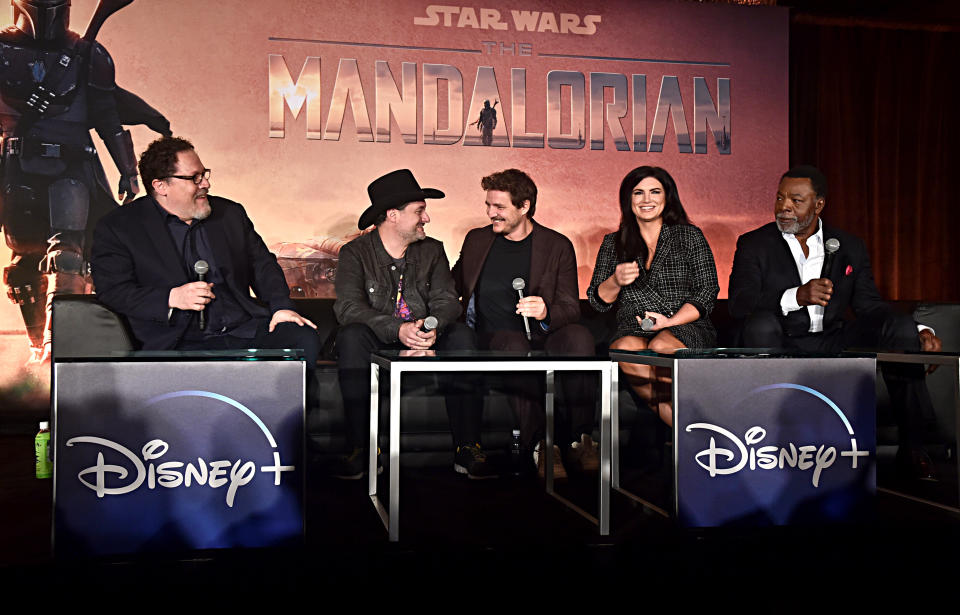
column 559, row 472
column 584, row 455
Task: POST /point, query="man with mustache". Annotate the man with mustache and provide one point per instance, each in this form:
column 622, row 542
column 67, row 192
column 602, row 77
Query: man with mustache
column 389, row 281
column 492, row 257
column 144, row 257
column 777, row 287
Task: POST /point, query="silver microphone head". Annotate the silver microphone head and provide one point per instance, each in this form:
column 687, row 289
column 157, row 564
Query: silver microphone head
column 519, row 284
column 201, row 267
column 831, row 245
column 430, row 323
column 647, row 323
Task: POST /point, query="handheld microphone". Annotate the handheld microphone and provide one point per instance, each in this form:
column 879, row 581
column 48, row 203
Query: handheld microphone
column 429, row 324
column 647, row 323
column 519, row 285
column 201, row 267
column 830, row 249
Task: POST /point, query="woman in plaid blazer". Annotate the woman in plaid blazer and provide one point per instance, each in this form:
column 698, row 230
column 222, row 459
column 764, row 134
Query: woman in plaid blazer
column 656, row 266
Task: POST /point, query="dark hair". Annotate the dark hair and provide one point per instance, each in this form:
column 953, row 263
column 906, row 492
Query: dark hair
column 382, row 216
column 630, row 245
column 517, row 183
column 159, row 160
column 817, row 179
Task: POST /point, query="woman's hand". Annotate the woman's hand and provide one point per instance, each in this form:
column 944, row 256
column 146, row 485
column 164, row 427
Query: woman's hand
column 626, row 273
column 659, row 320
column 685, row 315
column 623, row 275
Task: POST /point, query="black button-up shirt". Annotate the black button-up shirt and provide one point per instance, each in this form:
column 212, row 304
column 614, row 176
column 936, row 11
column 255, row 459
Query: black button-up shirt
column 224, row 315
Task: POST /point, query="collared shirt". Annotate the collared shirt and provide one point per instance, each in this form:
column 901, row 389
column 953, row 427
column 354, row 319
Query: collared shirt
column 809, row 268
column 224, row 314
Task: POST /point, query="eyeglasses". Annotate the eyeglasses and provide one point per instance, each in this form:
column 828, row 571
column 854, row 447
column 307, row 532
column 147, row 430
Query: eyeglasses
column 196, row 179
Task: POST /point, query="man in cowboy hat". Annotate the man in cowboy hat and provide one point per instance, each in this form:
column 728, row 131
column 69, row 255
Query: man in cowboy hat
column 388, row 282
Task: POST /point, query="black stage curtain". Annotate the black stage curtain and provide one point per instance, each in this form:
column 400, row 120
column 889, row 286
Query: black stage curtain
column 876, row 109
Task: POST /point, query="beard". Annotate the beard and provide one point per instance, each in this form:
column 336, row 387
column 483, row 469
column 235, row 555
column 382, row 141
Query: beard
column 418, row 234
column 507, row 227
column 793, row 226
column 203, row 212
column 203, row 209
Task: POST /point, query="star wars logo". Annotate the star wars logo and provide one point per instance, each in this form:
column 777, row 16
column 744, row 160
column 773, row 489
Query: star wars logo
column 522, row 21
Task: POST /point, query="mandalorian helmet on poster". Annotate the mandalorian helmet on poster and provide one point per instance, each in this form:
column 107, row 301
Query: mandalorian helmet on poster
column 42, row 20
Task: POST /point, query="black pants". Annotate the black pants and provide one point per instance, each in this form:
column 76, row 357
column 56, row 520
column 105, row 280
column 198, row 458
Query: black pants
column 356, row 342
column 884, row 330
column 284, row 335
column 576, row 414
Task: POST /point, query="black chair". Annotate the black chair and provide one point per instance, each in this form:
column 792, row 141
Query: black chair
column 84, row 328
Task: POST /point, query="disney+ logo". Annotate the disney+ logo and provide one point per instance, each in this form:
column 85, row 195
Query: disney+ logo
column 146, row 469
column 733, row 454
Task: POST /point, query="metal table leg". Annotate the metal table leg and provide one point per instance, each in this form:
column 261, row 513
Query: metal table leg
column 373, row 442
column 956, row 415
column 548, row 446
column 607, row 378
column 614, row 397
column 394, row 527
column 391, row 514
column 602, row 521
column 374, row 429
column 614, row 426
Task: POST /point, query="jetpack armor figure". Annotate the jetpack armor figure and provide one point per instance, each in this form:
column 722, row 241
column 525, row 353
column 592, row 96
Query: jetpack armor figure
column 487, row 122
column 54, row 87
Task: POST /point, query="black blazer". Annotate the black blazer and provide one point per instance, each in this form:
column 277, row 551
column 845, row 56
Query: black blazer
column 135, row 264
column 763, row 268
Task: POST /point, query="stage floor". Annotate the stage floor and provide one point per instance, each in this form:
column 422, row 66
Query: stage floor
column 504, row 533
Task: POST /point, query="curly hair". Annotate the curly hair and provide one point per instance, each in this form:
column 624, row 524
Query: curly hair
column 159, row 160
column 515, row 182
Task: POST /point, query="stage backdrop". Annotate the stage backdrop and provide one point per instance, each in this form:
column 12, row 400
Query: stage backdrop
column 297, row 105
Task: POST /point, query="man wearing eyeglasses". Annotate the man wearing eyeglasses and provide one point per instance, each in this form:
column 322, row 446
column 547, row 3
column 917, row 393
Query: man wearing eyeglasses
column 148, row 257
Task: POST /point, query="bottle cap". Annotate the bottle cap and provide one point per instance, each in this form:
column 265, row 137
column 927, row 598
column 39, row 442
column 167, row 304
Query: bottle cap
column 44, row 425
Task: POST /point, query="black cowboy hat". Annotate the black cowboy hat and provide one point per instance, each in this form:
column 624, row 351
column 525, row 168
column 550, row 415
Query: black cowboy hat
column 391, row 191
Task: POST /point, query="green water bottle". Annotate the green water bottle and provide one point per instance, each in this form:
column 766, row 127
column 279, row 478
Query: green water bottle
column 41, row 445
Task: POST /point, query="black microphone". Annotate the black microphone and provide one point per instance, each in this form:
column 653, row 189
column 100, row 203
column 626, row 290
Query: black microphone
column 429, row 324
column 830, row 249
column 201, row 267
column 519, row 285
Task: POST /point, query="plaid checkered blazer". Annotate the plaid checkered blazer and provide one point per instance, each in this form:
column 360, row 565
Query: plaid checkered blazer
column 682, row 271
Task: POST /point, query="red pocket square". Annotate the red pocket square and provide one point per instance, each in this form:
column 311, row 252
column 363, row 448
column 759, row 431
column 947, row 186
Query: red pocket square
column 849, row 270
